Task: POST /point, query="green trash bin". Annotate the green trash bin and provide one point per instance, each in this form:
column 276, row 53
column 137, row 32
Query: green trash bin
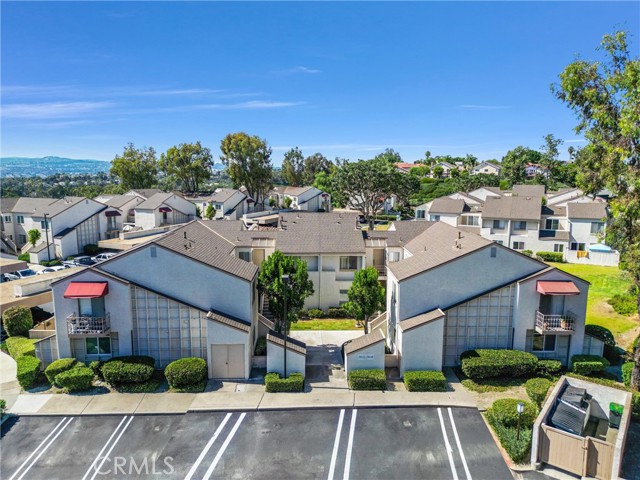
column 615, row 414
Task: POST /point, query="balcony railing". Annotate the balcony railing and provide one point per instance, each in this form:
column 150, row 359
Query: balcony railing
column 88, row 325
column 555, row 323
column 382, row 270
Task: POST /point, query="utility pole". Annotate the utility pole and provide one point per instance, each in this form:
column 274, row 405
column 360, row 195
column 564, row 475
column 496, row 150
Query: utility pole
column 46, row 233
column 285, row 284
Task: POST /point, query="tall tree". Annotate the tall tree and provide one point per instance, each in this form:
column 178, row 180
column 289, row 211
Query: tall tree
column 605, row 96
column 136, row 167
column 390, row 156
column 313, row 165
column 190, row 163
column 34, row 235
column 248, row 161
column 297, row 290
column 551, row 156
column 515, row 161
column 293, row 167
column 366, row 184
column 366, row 295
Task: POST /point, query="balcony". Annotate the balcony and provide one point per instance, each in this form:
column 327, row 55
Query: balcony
column 555, row 323
column 382, row 270
column 88, row 325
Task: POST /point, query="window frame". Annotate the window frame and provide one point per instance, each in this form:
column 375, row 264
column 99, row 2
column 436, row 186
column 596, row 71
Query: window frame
column 514, row 247
column 577, row 247
column 599, row 230
column 349, row 259
column 558, row 248
column 554, row 222
column 98, row 342
column 517, row 225
column 545, row 338
column 421, row 214
column 241, row 253
column 499, row 225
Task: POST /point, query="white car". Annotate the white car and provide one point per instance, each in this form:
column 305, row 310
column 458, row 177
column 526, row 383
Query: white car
column 57, row 268
column 27, row 272
column 101, row 257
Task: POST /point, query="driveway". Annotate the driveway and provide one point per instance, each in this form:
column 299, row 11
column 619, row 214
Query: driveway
column 407, row 443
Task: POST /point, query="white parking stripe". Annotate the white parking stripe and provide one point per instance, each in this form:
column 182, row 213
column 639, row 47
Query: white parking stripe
column 447, row 446
column 44, row 449
column 226, row 443
column 352, row 428
column 206, row 448
column 37, row 448
column 336, row 443
column 99, row 456
column 455, row 434
column 112, row 447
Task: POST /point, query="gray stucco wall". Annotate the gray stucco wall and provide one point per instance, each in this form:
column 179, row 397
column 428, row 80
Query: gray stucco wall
column 421, row 347
column 296, row 362
column 366, row 358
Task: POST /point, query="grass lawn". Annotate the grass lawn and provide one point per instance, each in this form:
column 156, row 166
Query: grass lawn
column 325, row 324
column 605, row 283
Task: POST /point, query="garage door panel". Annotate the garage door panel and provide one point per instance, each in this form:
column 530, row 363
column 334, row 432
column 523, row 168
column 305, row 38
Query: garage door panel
column 236, row 361
column 219, row 361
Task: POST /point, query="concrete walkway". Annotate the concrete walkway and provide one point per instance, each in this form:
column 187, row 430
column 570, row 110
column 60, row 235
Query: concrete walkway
column 229, row 396
column 9, row 386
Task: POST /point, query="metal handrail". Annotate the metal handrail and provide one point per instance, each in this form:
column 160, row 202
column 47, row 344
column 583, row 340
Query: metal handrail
column 546, row 323
column 88, row 324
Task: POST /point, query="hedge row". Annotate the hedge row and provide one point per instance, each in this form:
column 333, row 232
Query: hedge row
column 627, row 369
column 374, row 379
column 20, row 346
column 58, row 366
column 537, row 389
column 425, row 381
column 28, row 370
column 275, row 384
column 129, row 369
column 549, row 368
column 588, row 364
column 550, row 256
column 332, row 312
column 503, row 418
column 484, row 363
column 186, row 372
column 75, row 379
column 17, row 321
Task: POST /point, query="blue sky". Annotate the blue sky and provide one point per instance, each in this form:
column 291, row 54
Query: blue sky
column 346, row 79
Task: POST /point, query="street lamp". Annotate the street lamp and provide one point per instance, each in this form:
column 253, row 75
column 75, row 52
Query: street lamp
column 285, row 284
column 520, row 410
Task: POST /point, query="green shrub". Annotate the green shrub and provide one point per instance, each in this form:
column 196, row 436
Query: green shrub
column 52, row 263
column 3, row 408
column 58, row 366
column 303, row 314
column 528, row 253
column 76, row 379
column 504, row 411
column 374, row 379
column 601, row 333
column 624, row 304
column 337, row 312
column 261, row 346
column 550, row 256
column 28, row 370
column 17, row 321
column 588, row 364
column 186, row 372
column 635, row 406
column 518, row 450
column 484, row 363
column 549, row 368
column 145, row 360
column 24, row 257
column 96, row 367
column 316, row 313
column 132, row 369
column 425, row 381
column 537, row 389
column 91, row 249
column 627, row 369
column 275, row 384
column 20, row 346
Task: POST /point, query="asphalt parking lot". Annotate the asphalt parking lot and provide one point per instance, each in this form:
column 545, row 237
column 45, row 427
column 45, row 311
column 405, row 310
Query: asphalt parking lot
column 405, row 443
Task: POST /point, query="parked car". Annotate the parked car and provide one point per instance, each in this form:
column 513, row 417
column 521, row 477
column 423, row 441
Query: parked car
column 6, row 277
column 27, row 272
column 57, row 268
column 101, row 257
column 83, row 261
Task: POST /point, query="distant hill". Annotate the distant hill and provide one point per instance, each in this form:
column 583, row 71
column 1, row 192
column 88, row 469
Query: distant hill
column 42, row 167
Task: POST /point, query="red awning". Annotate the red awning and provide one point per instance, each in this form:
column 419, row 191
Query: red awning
column 164, row 209
column 86, row 290
column 112, row 213
column 558, row 288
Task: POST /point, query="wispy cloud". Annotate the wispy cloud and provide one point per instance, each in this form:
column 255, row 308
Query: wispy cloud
column 483, row 107
column 297, row 70
column 178, row 92
column 51, row 109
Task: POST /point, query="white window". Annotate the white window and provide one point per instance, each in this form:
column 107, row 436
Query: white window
column 420, row 214
column 7, row 219
column 581, row 247
column 558, row 247
column 394, row 256
column 597, row 228
column 519, row 225
column 544, row 343
column 551, row 224
column 98, row 345
column 518, row 245
column 20, row 219
column 44, row 224
column 246, row 256
column 470, row 220
column 498, row 224
column 348, row 263
column 22, row 239
column 344, row 292
column 434, row 218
